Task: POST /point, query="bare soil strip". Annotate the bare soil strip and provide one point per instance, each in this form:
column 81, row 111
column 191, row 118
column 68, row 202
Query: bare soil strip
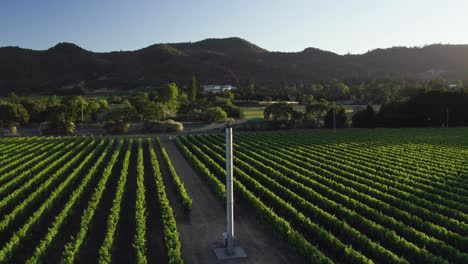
column 203, row 232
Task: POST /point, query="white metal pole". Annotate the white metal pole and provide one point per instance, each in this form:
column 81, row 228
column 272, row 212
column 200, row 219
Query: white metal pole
column 229, row 191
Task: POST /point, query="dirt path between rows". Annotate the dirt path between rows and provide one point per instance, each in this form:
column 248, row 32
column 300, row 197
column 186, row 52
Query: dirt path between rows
column 203, row 232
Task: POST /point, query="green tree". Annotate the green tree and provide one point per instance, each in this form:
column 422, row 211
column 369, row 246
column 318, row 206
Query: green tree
column 315, row 112
column 193, row 89
column 12, row 114
column 151, row 110
column 318, row 90
column 80, row 102
column 52, row 101
column 168, row 95
column 91, row 110
column 340, row 116
column 308, row 99
column 214, row 114
column 183, row 99
column 13, row 98
column 278, row 111
column 35, row 108
column 365, row 118
column 337, row 90
column 124, row 112
column 251, row 89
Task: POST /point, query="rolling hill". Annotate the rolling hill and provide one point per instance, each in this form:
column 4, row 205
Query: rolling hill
column 228, row 60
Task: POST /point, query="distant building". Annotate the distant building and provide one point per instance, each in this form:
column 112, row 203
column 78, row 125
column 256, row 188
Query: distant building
column 73, row 85
column 218, row 88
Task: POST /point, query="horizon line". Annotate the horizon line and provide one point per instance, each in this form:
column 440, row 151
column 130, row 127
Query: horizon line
column 224, row 38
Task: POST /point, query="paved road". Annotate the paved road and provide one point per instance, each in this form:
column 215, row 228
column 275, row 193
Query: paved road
column 203, row 232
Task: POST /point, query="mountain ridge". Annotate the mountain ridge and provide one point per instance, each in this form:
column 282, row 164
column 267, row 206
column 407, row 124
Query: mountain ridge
column 219, row 60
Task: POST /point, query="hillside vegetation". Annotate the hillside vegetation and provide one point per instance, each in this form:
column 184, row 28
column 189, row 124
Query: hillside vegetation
column 229, row 60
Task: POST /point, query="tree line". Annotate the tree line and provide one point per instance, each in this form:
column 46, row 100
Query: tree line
column 151, row 107
column 425, row 109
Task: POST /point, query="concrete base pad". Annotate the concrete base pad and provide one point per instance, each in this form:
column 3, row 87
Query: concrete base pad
column 222, row 254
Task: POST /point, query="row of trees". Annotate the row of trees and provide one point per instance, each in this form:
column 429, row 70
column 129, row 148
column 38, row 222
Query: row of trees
column 318, row 113
column 374, row 91
column 430, row 108
column 60, row 114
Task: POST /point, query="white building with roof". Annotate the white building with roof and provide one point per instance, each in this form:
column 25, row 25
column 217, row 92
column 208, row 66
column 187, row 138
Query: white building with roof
column 218, row 88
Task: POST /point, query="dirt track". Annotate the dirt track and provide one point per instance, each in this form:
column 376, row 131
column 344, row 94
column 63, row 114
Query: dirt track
column 203, row 232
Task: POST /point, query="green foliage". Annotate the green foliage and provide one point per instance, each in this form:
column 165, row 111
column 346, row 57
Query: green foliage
column 339, row 114
column 183, row 99
column 72, row 248
column 72, row 203
column 35, row 109
column 432, row 108
column 227, row 106
column 63, row 127
column 19, row 172
column 12, row 114
column 281, row 115
column 7, row 251
column 150, row 110
column 347, row 195
column 342, row 197
column 169, row 125
column 105, row 251
column 308, row 99
column 214, row 114
column 337, row 90
column 116, row 127
column 365, row 118
column 125, row 112
column 171, row 235
column 179, row 185
column 216, row 184
column 278, row 112
column 168, row 95
column 280, row 226
column 139, row 241
column 193, row 89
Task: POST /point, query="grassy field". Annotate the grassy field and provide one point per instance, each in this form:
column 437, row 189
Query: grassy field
column 355, row 196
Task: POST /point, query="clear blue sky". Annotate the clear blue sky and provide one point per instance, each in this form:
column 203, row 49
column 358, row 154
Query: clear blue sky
column 340, row 26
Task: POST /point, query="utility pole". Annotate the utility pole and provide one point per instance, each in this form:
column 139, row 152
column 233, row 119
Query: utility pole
column 229, row 191
column 230, row 251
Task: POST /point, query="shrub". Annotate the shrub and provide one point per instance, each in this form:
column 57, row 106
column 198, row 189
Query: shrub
column 194, row 115
column 118, row 126
column 365, row 118
column 12, row 127
column 64, row 127
column 214, row 114
column 169, row 125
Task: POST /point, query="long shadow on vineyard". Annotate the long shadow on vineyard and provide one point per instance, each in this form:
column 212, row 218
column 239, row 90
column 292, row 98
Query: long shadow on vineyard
column 156, row 249
column 125, row 233
column 203, row 232
column 98, row 226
